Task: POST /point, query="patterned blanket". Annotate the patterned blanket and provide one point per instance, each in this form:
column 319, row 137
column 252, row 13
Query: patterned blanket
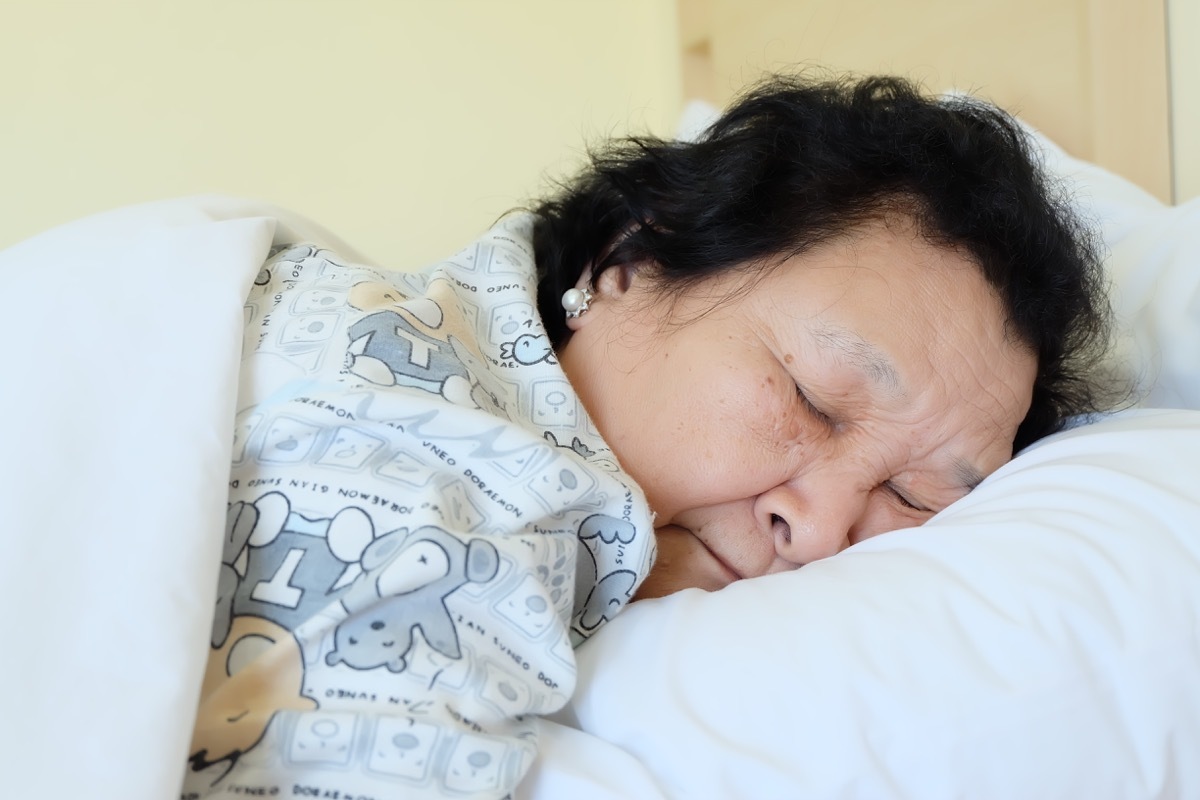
column 422, row 524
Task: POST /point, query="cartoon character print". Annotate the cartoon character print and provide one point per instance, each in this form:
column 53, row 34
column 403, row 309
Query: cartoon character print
column 528, row 349
column 255, row 667
column 408, row 577
column 268, row 548
column 240, row 522
column 597, row 598
column 280, row 568
column 496, row 393
column 576, row 446
column 233, row 715
column 389, row 349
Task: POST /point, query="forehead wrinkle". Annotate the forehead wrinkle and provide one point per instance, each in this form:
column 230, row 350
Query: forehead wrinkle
column 856, row 351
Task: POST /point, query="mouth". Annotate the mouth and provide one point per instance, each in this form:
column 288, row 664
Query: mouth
column 728, row 572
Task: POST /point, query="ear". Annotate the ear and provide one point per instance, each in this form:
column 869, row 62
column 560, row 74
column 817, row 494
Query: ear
column 610, row 285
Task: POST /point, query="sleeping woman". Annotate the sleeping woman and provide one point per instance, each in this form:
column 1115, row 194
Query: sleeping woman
column 830, row 317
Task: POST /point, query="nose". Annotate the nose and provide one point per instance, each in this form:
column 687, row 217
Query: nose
column 813, row 517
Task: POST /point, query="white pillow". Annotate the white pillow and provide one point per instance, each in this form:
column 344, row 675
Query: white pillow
column 1036, row 640
column 1153, row 262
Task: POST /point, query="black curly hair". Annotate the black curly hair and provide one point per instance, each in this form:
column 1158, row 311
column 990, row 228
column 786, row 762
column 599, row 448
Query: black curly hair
column 795, row 162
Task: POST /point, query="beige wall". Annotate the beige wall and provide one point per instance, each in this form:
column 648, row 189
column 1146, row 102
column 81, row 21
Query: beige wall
column 405, row 126
column 1090, row 73
column 1184, row 17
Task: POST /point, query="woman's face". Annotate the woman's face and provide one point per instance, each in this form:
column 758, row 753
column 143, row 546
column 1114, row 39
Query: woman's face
column 774, row 418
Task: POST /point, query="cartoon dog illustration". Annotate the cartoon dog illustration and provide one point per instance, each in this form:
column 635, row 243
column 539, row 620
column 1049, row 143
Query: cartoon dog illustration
column 388, row 349
column 408, row 577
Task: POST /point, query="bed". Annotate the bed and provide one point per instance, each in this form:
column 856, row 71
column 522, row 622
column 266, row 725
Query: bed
column 1038, row 639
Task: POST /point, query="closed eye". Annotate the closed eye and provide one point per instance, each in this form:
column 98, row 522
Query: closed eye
column 904, row 501
column 816, row 412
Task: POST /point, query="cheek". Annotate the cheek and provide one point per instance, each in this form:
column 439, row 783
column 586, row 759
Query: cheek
column 786, row 423
column 748, row 421
column 708, row 427
column 883, row 515
column 750, row 446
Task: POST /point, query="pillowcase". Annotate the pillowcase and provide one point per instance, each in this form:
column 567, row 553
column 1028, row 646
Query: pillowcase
column 1037, row 639
column 1153, row 263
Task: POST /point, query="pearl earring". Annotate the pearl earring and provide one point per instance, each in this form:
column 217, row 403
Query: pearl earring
column 575, row 301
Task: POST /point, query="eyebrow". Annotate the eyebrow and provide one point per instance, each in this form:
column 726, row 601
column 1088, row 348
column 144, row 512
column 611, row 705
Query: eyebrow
column 968, row 476
column 862, row 355
column 881, row 370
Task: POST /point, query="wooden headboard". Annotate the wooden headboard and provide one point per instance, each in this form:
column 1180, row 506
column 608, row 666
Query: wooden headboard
column 1091, row 74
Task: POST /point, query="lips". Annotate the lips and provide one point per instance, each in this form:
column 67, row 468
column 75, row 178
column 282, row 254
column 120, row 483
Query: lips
column 727, row 572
